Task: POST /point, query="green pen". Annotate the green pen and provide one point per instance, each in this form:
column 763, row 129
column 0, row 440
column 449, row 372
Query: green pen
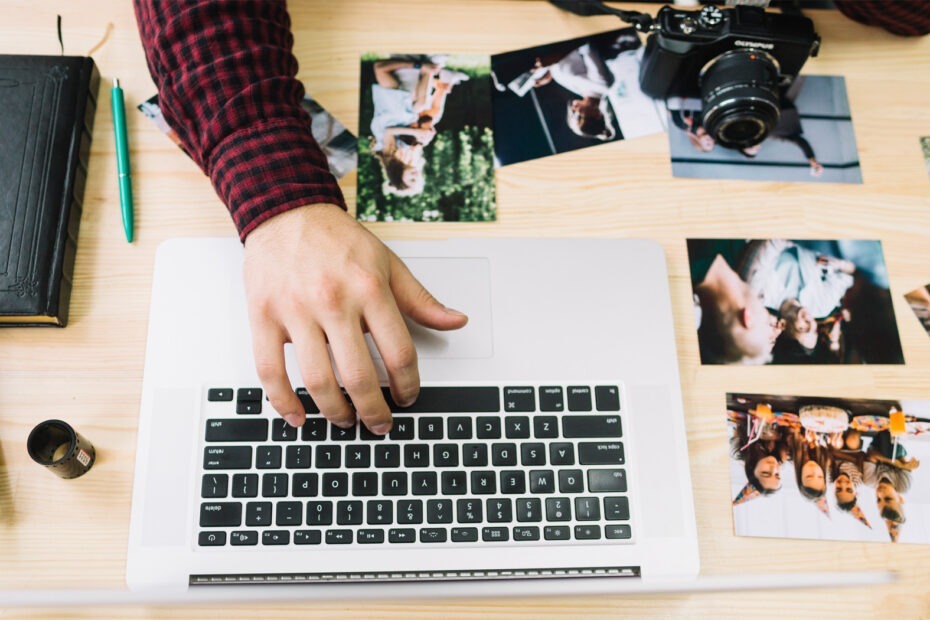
column 122, row 156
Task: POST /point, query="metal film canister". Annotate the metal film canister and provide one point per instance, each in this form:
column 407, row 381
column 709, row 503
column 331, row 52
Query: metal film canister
column 60, row 448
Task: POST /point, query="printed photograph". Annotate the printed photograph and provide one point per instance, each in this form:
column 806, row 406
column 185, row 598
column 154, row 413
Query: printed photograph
column 800, row 301
column 829, row 468
column 925, row 147
column 813, row 140
column 919, row 301
column 426, row 151
column 570, row 95
column 337, row 142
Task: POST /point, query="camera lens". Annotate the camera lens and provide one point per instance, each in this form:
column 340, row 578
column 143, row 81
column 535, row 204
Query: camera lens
column 739, row 89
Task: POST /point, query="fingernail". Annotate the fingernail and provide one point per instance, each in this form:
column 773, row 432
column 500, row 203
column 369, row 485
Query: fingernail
column 454, row 311
column 345, row 423
column 295, row 419
column 382, row 429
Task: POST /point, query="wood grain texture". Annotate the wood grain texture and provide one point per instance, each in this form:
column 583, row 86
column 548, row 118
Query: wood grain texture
column 56, row 533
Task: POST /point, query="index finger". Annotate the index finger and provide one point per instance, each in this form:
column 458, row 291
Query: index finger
column 268, row 350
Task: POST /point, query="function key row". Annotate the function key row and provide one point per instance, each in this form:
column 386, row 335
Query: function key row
column 452, row 399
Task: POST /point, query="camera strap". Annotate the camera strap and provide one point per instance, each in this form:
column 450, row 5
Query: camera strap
column 642, row 22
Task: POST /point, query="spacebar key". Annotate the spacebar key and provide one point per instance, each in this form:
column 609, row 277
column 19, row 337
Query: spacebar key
column 591, row 426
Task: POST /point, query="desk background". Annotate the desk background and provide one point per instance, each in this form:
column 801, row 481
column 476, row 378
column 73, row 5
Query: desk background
column 56, row 533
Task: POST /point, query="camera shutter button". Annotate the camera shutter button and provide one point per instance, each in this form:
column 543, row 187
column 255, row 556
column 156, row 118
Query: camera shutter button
column 688, row 25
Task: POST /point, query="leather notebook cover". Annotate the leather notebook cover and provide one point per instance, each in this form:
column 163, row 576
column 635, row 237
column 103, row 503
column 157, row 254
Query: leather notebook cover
column 47, row 106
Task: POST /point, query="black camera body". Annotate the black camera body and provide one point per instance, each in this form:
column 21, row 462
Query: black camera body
column 737, row 60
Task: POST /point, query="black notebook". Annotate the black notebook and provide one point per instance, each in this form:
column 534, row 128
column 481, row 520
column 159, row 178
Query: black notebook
column 47, row 106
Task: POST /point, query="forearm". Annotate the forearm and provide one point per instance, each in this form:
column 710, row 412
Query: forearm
column 226, row 80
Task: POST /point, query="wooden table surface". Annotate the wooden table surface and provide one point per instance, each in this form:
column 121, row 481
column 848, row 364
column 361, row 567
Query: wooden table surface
column 56, row 533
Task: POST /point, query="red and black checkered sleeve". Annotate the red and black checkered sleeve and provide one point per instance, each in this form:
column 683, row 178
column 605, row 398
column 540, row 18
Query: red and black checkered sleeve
column 906, row 18
column 226, row 83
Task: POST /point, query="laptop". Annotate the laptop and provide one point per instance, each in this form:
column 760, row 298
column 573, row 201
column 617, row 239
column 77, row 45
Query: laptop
column 548, row 444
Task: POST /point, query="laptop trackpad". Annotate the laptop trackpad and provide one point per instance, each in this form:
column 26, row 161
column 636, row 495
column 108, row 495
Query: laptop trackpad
column 463, row 284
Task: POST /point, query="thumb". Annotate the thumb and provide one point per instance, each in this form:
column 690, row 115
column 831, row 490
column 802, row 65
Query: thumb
column 416, row 302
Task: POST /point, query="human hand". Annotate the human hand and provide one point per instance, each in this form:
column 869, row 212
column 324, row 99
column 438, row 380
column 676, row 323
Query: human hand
column 816, row 168
column 313, row 274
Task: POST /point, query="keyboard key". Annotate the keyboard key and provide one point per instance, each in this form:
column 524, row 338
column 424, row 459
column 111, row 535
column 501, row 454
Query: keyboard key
column 379, row 512
column 542, row 481
column 416, row 455
column 335, row 485
column 488, row 428
column 499, row 510
column 268, row 457
column 244, row 538
column 214, row 485
column 527, row 532
column 571, row 481
column 394, row 483
column 439, row 511
column 387, row 456
column 358, row 456
column 606, row 480
column 314, row 429
column 274, row 485
column 253, row 395
column 468, row 511
column 464, row 534
column 307, row 537
column 227, row 457
column 454, row 482
column 402, row 429
column 216, row 538
column 297, row 457
column 220, row 514
column 276, row 537
column 245, row 485
column 305, row 485
column 288, row 513
column 519, row 399
column 590, row 453
column 435, row 399
column 503, row 454
column 281, row 430
column 338, row 537
column 432, row 535
column 550, row 399
column 517, row 427
column 587, row 509
column 557, row 532
column 430, row 428
column 475, row 455
column 495, row 534
column 369, row 537
column 364, row 483
column 445, row 455
column 424, row 483
column 409, row 511
column 258, row 513
column 483, row 482
column 579, row 398
column 532, row 454
column 513, row 481
column 459, row 428
column 616, row 508
column 342, row 434
column 220, row 395
column 587, row 532
column 614, row 531
column 328, row 457
column 545, row 427
column 559, row 454
column 306, row 401
column 349, row 512
column 402, row 535
column 237, row 430
column 529, row 510
column 558, row 509
column 249, row 408
column 319, row 513
column 591, row 426
column 607, row 397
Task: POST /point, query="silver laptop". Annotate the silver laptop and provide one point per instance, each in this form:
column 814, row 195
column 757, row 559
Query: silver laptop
column 548, row 442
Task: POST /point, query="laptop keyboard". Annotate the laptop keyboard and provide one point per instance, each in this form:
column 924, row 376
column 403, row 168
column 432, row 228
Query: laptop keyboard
column 464, row 466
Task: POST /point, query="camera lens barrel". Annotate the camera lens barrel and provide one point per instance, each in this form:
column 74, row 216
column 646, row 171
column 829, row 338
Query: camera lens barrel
column 739, row 90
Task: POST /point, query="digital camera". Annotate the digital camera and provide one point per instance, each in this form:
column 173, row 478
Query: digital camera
column 737, row 60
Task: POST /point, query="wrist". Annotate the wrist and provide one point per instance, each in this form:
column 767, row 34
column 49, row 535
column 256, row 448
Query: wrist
column 294, row 220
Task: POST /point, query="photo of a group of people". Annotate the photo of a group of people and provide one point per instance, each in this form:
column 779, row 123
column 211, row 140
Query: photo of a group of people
column 813, row 139
column 427, row 147
column 570, row 95
column 829, row 468
column 781, row 301
column 919, row 301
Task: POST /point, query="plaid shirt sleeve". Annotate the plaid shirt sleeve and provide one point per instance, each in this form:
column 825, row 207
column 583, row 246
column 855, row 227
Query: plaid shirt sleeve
column 226, row 83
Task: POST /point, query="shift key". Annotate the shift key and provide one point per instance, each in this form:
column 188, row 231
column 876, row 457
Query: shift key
column 606, row 453
column 591, row 426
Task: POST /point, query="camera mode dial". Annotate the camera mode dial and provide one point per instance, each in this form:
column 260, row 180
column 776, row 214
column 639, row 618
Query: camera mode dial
column 710, row 17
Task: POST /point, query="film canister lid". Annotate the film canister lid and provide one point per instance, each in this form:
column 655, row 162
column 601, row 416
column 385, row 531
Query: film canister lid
column 60, row 448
